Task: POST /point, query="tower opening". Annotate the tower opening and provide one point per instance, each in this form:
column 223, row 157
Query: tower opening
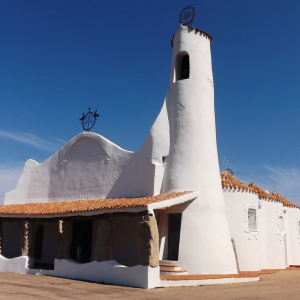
column 182, row 68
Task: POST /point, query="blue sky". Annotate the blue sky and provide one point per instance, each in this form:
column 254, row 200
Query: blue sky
column 57, row 58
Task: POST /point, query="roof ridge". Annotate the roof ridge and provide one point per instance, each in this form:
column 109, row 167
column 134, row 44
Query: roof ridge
column 283, row 200
column 262, row 194
column 231, row 182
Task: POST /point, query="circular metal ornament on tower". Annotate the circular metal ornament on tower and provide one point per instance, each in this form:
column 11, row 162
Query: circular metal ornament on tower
column 229, row 171
column 187, row 16
column 88, row 120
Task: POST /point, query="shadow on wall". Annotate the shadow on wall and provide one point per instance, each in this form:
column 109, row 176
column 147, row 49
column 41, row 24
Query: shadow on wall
column 11, row 243
column 88, row 171
column 81, row 170
column 126, row 240
column 137, row 177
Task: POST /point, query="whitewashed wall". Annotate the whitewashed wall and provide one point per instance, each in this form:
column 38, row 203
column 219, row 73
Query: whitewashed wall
column 247, row 243
column 162, row 217
column 90, row 166
column 292, row 229
column 272, row 239
column 205, row 245
column 86, row 167
column 143, row 174
column 107, row 271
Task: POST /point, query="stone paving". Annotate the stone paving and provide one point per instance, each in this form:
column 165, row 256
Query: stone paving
column 281, row 285
column 239, row 275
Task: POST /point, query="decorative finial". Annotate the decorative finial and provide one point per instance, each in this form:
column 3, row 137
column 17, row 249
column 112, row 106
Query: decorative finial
column 274, row 185
column 88, row 120
column 187, row 16
column 225, row 164
column 252, row 176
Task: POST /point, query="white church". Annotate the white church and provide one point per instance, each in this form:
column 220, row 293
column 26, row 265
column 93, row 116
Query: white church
column 156, row 217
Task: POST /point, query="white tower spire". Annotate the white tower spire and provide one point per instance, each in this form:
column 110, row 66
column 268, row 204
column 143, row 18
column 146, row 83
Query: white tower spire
column 205, row 244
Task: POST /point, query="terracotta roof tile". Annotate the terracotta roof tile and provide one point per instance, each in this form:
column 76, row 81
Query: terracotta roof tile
column 64, row 207
column 262, row 194
column 230, row 182
column 285, row 201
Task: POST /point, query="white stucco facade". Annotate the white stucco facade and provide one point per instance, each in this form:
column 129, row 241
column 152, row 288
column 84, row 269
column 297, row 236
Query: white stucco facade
column 272, row 236
column 193, row 159
column 217, row 230
column 246, row 240
column 274, row 244
column 292, row 230
column 102, row 169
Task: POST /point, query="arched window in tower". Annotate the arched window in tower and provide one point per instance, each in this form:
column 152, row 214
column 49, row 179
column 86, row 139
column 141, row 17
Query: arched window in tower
column 182, row 68
column 185, row 67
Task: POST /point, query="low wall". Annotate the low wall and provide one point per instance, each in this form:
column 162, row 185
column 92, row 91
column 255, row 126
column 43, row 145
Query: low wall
column 107, row 271
column 14, row 265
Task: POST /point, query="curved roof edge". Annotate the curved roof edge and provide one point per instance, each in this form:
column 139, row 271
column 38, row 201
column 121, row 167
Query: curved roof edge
column 96, row 136
column 104, row 142
column 263, row 195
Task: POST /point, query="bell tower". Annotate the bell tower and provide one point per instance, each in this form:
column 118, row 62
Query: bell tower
column 205, row 244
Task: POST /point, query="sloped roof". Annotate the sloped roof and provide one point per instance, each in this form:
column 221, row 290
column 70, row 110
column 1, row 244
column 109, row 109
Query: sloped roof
column 262, row 194
column 285, row 201
column 273, row 196
column 230, row 182
column 77, row 206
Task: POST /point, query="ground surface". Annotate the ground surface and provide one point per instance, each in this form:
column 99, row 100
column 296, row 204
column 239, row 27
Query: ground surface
column 282, row 285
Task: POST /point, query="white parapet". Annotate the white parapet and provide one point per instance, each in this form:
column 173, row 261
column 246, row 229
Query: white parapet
column 14, row 265
column 109, row 272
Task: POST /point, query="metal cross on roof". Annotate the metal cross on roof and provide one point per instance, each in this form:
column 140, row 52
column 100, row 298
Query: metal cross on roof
column 225, row 164
column 88, row 120
column 187, row 16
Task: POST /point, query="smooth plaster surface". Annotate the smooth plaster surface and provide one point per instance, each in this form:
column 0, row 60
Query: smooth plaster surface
column 205, row 245
column 247, row 243
column 108, row 271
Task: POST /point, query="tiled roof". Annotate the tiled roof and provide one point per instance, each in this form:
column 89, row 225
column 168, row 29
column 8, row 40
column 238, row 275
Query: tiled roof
column 230, row 182
column 74, row 206
column 285, row 201
column 262, row 194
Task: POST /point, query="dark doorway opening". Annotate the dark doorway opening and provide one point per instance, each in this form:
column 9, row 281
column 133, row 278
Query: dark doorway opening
column 82, row 237
column 38, row 250
column 174, row 236
column 38, row 244
column 43, row 266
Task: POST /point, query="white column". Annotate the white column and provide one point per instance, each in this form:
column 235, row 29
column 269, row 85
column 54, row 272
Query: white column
column 205, row 243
